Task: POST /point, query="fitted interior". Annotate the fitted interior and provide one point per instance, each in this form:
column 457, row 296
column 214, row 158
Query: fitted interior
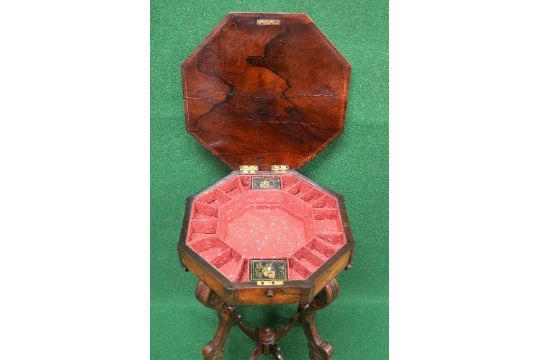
column 299, row 222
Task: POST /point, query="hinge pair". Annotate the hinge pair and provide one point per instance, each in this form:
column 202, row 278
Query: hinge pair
column 253, row 169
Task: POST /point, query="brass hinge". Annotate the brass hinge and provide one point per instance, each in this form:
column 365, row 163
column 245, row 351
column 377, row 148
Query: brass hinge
column 249, row 169
column 279, row 168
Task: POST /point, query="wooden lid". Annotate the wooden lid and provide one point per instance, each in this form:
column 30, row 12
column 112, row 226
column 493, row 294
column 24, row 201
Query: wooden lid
column 265, row 89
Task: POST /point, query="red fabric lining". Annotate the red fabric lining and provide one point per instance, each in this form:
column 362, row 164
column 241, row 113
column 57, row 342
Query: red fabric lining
column 232, row 224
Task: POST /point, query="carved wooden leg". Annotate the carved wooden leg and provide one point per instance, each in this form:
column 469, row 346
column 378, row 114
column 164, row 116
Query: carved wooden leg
column 274, row 350
column 214, row 350
column 256, row 353
column 318, row 348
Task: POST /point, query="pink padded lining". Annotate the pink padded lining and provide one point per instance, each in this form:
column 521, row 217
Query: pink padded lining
column 231, row 224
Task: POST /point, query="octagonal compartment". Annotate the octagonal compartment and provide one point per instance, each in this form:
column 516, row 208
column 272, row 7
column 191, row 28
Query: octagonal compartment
column 232, row 223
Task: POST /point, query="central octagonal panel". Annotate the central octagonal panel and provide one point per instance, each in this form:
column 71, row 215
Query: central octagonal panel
column 266, row 232
column 295, row 220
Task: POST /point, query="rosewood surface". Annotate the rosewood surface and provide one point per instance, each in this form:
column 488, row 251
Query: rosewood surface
column 265, row 89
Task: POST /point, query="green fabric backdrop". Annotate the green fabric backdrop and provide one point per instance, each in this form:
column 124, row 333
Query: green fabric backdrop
column 356, row 165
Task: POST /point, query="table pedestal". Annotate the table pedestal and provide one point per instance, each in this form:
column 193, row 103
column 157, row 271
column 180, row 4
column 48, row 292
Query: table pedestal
column 266, row 338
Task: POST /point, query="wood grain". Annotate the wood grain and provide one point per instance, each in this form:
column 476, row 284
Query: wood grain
column 265, row 94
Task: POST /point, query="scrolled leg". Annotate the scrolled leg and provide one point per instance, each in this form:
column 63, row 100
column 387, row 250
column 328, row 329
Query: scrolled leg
column 256, row 353
column 275, row 351
column 214, row 350
column 318, row 348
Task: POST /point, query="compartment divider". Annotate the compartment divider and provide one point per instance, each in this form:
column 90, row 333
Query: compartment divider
column 306, row 253
column 239, row 184
column 245, row 182
column 302, row 192
column 311, row 195
column 325, row 202
column 222, row 259
column 207, row 226
column 294, row 189
column 232, row 187
column 205, row 211
column 326, row 214
column 225, row 196
column 323, row 248
column 207, row 243
column 240, row 269
column 299, row 268
column 334, row 239
column 308, row 265
column 287, row 182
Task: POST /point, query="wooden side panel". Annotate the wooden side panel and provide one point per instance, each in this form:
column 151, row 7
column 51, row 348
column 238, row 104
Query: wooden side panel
column 208, row 278
column 259, row 296
column 321, row 279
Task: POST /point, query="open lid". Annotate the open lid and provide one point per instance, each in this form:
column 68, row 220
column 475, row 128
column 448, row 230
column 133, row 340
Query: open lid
column 265, row 89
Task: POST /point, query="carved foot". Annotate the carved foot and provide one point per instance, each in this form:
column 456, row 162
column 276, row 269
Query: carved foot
column 275, row 351
column 321, row 351
column 318, row 348
column 214, row 350
column 256, row 353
